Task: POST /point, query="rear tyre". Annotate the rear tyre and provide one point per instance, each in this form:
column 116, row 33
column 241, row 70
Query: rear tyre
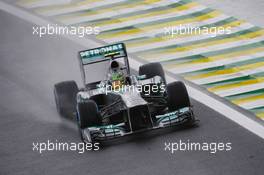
column 177, row 96
column 65, row 98
column 151, row 70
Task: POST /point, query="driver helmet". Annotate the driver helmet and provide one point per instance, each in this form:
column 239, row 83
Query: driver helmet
column 114, row 66
column 117, row 76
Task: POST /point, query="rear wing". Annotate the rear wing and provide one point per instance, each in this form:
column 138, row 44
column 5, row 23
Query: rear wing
column 98, row 60
column 103, row 53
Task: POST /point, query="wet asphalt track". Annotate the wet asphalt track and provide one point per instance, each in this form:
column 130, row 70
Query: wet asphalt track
column 29, row 66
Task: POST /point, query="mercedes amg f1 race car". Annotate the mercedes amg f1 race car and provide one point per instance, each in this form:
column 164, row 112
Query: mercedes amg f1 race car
column 115, row 103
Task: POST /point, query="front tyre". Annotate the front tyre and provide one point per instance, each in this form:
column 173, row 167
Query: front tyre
column 177, row 96
column 151, row 70
column 87, row 116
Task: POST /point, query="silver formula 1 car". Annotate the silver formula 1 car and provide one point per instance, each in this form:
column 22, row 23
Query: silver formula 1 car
column 115, row 103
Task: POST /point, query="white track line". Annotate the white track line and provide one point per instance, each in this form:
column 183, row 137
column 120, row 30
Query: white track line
column 241, row 119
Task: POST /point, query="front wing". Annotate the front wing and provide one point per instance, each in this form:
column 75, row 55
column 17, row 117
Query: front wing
column 101, row 133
